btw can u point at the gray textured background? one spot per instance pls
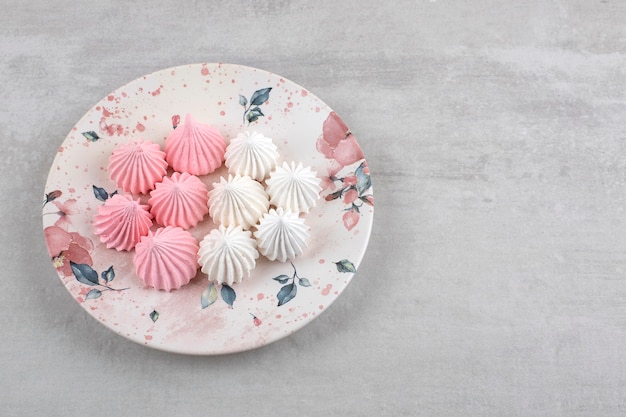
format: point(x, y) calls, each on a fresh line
point(495, 281)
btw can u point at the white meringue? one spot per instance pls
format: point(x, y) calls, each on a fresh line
point(251, 154)
point(294, 187)
point(238, 201)
point(228, 254)
point(281, 235)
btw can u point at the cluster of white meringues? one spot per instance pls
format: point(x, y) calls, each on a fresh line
point(261, 196)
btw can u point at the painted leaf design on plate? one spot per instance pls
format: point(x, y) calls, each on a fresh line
point(91, 136)
point(252, 111)
point(100, 193)
point(84, 273)
point(345, 266)
point(281, 278)
point(260, 96)
point(287, 293)
point(228, 295)
point(108, 275)
point(93, 294)
point(304, 282)
point(209, 296)
point(363, 180)
point(253, 116)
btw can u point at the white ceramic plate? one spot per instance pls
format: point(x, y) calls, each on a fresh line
point(202, 318)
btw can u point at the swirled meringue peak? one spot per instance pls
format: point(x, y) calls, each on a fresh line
point(294, 187)
point(237, 201)
point(167, 259)
point(281, 235)
point(251, 154)
point(179, 200)
point(121, 222)
point(228, 254)
point(195, 148)
point(137, 166)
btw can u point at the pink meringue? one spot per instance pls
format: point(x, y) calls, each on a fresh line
point(179, 200)
point(167, 259)
point(121, 222)
point(195, 148)
point(137, 166)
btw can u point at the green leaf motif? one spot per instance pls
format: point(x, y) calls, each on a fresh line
point(260, 96)
point(154, 316)
point(100, 193)
point(363, 180)
point(251, 117)
point(304, 282)
point(257, 111)
point(287, 293)
point(228, 295)
point(252, 111)
point(345, 266)
point(281, 278)
point(93, 294)
point(108, 275)
point(84, 273)
point(209, 296)
point(91, 136)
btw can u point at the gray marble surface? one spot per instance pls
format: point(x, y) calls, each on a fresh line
point(495, 281)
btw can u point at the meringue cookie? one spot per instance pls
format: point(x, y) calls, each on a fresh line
point(195, 148)
point(294, 187)
point(167, 259)
point(238, 201)
point(228, 254)
point(137, 166)
point(251, 154)
point(121, 222)
point(179, 200)
point(281, 235)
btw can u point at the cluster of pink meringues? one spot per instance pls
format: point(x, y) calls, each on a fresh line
point(168, 257)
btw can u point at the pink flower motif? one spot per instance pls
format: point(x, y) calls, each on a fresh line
point(64, 246)
point(337, 142)
point(350, 196)
point(65, 210)
point(351, 218)
point(328, 181)
point(349, 180)
point(327, 184)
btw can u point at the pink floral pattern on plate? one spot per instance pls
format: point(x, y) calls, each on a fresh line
point(205, 318)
